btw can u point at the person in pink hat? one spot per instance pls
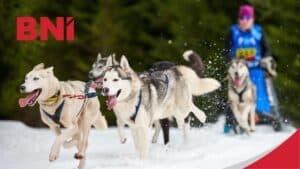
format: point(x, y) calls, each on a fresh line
point(247, 40)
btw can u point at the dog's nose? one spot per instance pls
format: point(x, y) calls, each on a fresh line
point(22, 88)
point(236, 73)
point(91, 75)
point(105, 90)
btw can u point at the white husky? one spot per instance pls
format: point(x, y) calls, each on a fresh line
point(70, 104)
point(242, 94)
point(139, 102)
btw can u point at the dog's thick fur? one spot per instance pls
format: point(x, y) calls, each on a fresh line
point(242, 94)
point(100, 66)
point(123, 87)
point(76, 119)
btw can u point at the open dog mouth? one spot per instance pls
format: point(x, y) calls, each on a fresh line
point(112, 100)
point(30, 99)
point(97, 82)
point(237, 81)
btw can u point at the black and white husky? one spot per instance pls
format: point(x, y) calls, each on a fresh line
point(139, 101)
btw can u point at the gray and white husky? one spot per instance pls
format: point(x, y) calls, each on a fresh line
point(242, 94)
point(63, 103)
point(139, 102)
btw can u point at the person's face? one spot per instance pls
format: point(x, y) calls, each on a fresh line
point(246, 22)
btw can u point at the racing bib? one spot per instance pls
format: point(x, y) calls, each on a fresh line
point(246, 53)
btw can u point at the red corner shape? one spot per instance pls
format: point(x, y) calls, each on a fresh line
point(286, 156)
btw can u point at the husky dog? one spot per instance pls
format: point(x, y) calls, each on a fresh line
point(96, 74)
point(63, 104)
point(139, 102)
point(99, 67)
point(242, 94)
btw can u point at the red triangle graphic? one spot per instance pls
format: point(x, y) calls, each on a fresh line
point(286, 156)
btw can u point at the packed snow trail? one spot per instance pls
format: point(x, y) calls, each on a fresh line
point(27, 148)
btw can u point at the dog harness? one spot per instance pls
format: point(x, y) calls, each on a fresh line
point(57, 114)
point(240, 94)
point(137, 107)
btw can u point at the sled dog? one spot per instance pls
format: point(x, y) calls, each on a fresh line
point(96, 74)
point(139, 101)
point(242, 94)
point(71, 104)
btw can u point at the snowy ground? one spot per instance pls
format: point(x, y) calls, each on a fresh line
point(26, 148)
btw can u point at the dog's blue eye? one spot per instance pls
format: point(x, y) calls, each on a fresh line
point(36, 78)
point(115, 80)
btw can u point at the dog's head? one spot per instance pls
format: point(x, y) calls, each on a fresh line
point(100, 66)
point(238, 72)
point(118, 82)
point(40, 84)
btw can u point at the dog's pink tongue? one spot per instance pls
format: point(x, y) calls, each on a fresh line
point(111, 102)
point(237, 82)
point(23, 102)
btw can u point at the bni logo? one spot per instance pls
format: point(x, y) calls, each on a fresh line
point(28, 30)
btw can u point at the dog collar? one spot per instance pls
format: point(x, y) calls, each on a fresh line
point(137, 107)
point(54, 98)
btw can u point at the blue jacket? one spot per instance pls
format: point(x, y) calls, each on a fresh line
point(252, 46)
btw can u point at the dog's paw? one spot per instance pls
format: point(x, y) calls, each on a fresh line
point(154, 141)
point(78, 156)
point(123, 141)
point(53, 156)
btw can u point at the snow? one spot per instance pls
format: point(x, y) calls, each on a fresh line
point(207, 147)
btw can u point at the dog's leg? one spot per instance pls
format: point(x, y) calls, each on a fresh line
point(73, 142)
point(165, 125)
point(181, 125)
point(76, 139)
point(198, 113)
point(140, 139)
point(156, 132)
point(56, 130)
point(252, 118)
point(85, 129)
point(100, 121)
point(238, 115)
point(245, 117)
point(121, 126)
point(68, 133)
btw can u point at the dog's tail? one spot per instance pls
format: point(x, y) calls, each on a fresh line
point(198, 86)
point(100, 122)
point(195, 60)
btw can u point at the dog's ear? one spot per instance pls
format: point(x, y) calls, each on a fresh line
point(125, 65)
point(49, 70)
point(99, 56)
point(109, 61)
point(39, 66)
point(114, 61)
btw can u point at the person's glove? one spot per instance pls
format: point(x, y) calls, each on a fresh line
point(269, 65)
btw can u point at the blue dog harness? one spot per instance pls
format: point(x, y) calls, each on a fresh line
point(137, 107)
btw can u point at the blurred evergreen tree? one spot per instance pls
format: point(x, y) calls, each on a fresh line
point(144, 31)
